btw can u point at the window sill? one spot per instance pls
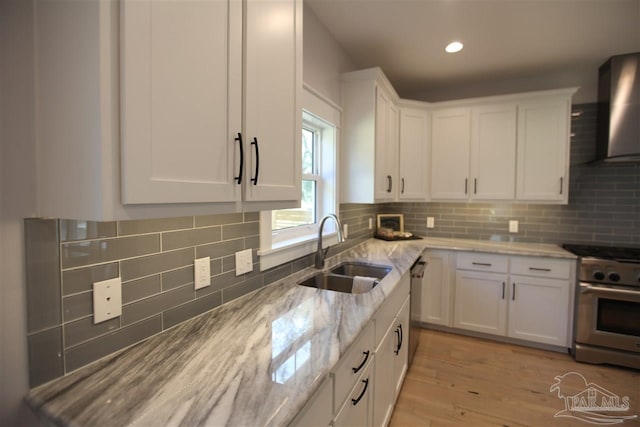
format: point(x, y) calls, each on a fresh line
point(290, 250)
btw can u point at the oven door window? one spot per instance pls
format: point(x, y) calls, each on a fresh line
point(620, 317)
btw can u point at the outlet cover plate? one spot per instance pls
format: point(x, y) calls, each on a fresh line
point(202, 272)
point(107, 300)
point(244, 262)
point(430, 222)
point(513, 226)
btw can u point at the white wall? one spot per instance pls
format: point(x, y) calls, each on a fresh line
point(324, 59)
point(584, 77)
point(17, 187)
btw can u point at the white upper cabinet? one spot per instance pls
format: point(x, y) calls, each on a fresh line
point(181, 101)
point(272, 99)
point(370, 138)
point(182, 97)
point(144, 118)
point(512, 147)
point(474, 153)
point(543, 149)
point(414, 154)
point(493, 152)
point(450, 150)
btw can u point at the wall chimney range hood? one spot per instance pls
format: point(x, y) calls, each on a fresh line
point(618, 138)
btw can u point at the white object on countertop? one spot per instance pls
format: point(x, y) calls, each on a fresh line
point(362, 284)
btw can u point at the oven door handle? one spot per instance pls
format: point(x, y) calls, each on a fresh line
point(586, 288)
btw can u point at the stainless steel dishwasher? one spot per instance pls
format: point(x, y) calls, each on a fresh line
point(417, 273)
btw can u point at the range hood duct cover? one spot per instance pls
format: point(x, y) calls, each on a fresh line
point(618, 137)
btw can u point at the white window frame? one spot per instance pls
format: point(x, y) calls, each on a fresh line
point(324, 115)
point(279, 237)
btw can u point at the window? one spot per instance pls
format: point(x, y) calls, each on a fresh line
point(288, 234)
point(307, 214)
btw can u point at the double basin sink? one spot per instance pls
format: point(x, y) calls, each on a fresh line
point(341, 277)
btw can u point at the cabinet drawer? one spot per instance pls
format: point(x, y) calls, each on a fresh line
point(355, 410)
point(482, 262)
point(352, 364)
point(541, 267)
point(390, 308)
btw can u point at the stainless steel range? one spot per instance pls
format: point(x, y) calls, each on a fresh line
point(607, 318)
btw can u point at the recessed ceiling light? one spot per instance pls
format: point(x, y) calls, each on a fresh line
point(454, 47)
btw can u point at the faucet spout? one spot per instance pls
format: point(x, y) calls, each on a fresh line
point(320, 253)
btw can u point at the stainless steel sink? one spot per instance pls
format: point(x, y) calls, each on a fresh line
point(332, 282)
point(340, 278)
point(361, 269)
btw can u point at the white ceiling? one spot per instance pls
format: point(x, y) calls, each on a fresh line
point(504, 39)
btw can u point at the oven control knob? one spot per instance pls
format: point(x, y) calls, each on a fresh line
point(614, 277)
point(598, 275)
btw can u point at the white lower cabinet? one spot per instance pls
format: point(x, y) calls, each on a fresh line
point(480, 302)
point(435, 304)
point(362, 388)
point(401, 352)
point(317, 412)
point(527, 298)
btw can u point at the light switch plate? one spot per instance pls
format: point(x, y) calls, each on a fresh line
point(202, 272)
point(244, 262)
point(513, 226)
point(430, 222)
point(107, 300)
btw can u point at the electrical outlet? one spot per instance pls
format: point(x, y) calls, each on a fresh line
point(513, 226)
point(202, 272)
point(430, 222)
point(370, 223)
point(107, 300)
point(345, 230)
point(244, 262)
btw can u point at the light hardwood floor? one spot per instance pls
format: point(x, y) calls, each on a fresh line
point(461, 381)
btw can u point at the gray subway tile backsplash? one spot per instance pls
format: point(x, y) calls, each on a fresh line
point(157, 263)
point(141, 226)
point(90, 351)
point(155, 257)
point(81, 279)
point(46, 358)
point(42, 274)
point(84, 329)
point(140, 288)
point(83, 253)
point(72, 230)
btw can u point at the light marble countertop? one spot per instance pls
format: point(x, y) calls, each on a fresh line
point(254, 361)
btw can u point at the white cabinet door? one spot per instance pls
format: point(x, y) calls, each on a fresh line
point(436, 289)
point(543, 150)
point(414, 154)
point(317, 412)
point(481, 302)
point(493, 152)
point(401, 360)
point(386, 138)
point(370, 138)
point(383, 393)
point(539, 310)
point(450, 145)
point(273, 85)
point(181, 67)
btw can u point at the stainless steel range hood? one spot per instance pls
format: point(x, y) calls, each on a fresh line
point(619, 109)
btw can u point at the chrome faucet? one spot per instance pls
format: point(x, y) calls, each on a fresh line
point(320, 253)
